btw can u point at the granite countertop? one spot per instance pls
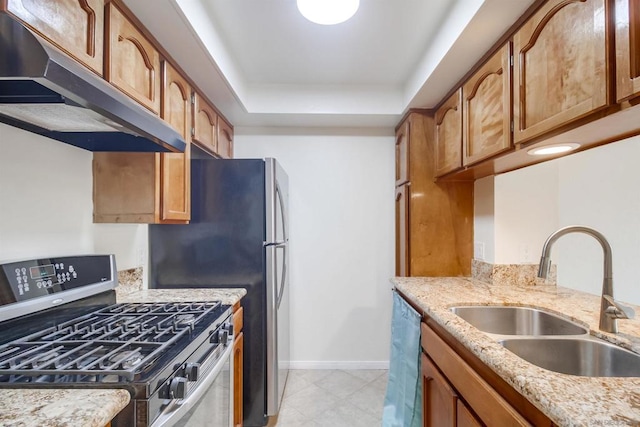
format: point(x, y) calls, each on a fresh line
point(85, 407)
point(566, 399)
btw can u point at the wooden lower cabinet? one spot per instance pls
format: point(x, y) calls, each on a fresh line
point(238, 354)
point(456, 394)
point(442, 406)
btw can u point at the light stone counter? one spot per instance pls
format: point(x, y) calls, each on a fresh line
point(226, 296)
point(566, 399)
point(92, 408)
point(60, 407)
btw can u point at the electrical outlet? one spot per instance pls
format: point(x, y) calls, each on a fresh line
point(478, 251)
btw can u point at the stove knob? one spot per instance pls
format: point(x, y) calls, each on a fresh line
point(215, 337)
point(230, 328)
point(224, 336)
point(178, 388)
point(192, 371)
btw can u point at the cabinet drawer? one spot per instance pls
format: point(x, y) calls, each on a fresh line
point(492, 409)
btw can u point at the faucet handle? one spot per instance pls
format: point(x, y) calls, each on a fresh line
point(618, 310)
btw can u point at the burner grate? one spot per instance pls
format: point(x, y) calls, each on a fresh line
point(112, 344)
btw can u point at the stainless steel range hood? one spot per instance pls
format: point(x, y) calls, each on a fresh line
point(44, 91)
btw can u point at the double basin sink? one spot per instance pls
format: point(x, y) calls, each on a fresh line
point(551, 342)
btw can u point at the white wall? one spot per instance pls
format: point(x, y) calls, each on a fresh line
point(341, 190)
point(597, 188)
point(46, 204)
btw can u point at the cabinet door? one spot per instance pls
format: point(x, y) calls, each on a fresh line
point(486, 110)
point(465, 417)
point(449, 135)
point(225, 139)
point(205, 124)
point(133, 64)
point(75, 26)
point(561, 71)
point(402, 153)
point(238, 350)
point(175, 167)
point(402, 230)
point(125, 187)
point(439, 399)
point(627, 13)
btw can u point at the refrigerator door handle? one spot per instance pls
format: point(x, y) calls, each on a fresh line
point(283, 279)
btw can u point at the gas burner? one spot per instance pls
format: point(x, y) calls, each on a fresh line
point(126, 358)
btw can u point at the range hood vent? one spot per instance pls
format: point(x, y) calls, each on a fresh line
point(44, 91)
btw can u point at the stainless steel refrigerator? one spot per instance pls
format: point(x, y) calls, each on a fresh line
point(237, 237)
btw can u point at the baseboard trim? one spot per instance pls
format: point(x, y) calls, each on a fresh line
point(348, 365)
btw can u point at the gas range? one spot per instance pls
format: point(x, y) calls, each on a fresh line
point(71, 333)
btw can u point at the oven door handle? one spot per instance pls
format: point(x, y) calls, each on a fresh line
point(177, 410)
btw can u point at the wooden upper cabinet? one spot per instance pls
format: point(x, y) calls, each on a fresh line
point(205, 124)
point(225, 139)
point(627, 15)
point(561, 67)
point(75, 26)
point(486, 111)
point(402, 153)
point(403, 256)
point(175, 167)
point(448, 135)
point(133, 63)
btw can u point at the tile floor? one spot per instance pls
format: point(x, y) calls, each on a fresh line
point(333, 398)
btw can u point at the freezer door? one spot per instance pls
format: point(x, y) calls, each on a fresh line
point(277, 261)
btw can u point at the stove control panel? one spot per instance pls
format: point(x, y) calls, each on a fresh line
point(34, 278)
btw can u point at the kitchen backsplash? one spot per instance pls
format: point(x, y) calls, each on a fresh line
point(129, 281)
point(510, 274)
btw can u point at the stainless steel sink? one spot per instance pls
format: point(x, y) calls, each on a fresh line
point(513, 320)
point(576, 356)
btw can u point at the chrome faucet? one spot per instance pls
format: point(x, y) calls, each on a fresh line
point(610, 310)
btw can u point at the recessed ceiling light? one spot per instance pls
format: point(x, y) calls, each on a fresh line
point(328, 12)
point(553, 149)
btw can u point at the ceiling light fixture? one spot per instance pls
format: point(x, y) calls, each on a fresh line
point(328, 12)
point(553, 149)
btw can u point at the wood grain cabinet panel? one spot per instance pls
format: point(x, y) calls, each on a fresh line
point(486, 110)
point(75, 26)
point(484, 400)
point(627, 18)
point(434, 221)
point(561, 66)
point(403, 254)
point(225, 139)
point(149, 187)
point(402, 154)
point(175, 168)
point(448, 135)
point(133, 63)
point(464, 416)
point(439, 398)
point(205, 124)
